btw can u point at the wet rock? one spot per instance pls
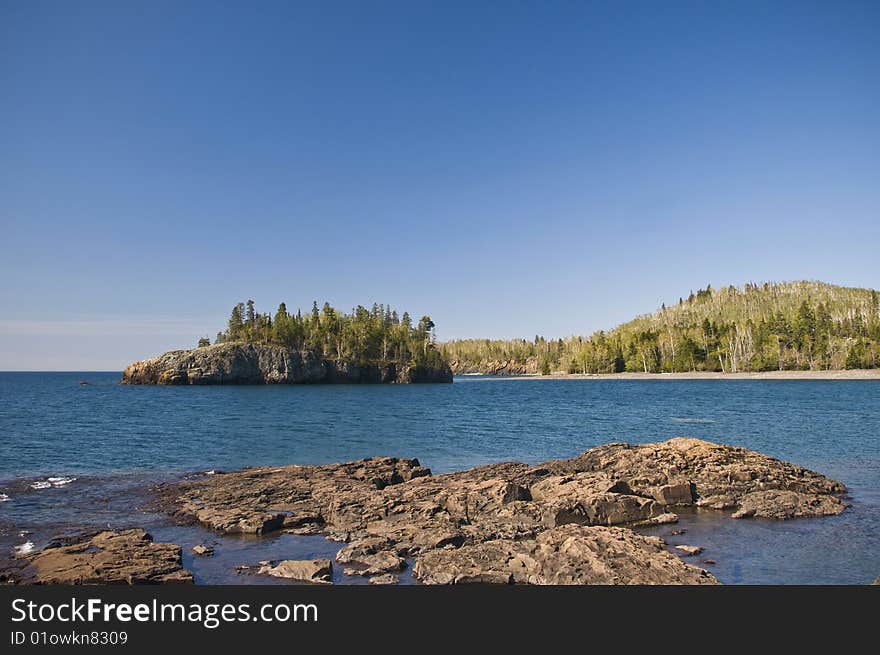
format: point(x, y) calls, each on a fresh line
point(204, 551)
point(566, 555)
point(689, 550)
point(314, 570)
point(126, 557)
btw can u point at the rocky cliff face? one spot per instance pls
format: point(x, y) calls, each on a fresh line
point(530, 366)
point(247, 363)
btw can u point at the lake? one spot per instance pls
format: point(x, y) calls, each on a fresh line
point(118, 440)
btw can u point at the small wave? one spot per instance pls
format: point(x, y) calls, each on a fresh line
point(676, 419)
point(3, 498)
point(25, 548)
point(48, 483)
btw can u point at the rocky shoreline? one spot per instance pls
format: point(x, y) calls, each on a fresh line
point(564, 521)
point(248, 363)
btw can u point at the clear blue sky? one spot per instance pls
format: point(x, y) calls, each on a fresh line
point(510, 168)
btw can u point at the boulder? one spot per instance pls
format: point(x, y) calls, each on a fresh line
point(310, 570)
point(689, 550)
point(386, 579)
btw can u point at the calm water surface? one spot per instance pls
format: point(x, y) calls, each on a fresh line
point(118, 440)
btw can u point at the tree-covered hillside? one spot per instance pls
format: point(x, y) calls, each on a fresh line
point(365, 336)
point(759, 327)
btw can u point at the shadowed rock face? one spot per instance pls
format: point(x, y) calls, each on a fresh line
point(247, 363)
point(510, 522)
point(127, 557)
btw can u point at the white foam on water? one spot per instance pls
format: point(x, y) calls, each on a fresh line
point(48, 483)
point(3, 498)
point(676, 419)
point(25, 548)
point(211, 472)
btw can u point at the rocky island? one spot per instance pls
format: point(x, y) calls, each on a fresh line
point(567, 521)
point(324, 346)
point(248, 363)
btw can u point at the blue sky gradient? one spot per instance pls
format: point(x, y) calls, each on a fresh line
point(511, 168)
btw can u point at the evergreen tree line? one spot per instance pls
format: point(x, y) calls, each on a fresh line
point(365, 336)
point(787, 326)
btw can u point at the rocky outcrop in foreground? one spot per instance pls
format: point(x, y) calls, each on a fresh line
point(248, 363)
point(510, 522)
point(562, 522)
point(127, 557)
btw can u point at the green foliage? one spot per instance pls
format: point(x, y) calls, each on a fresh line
point(364, 336)
point(786, 326)
point(204, 341)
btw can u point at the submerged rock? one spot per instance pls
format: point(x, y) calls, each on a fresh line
point(126, 557)
point(386, 509)
point(248, 363)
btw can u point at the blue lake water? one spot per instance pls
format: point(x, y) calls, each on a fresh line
point(117, 440)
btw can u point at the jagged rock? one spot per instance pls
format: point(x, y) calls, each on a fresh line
point(248, 363)
point(204, 551)
point(314, 570)
point(387, 509)
point(689, 550)
point(530, 366)
point(567, 555)
point(387, 578)
point(126, 557)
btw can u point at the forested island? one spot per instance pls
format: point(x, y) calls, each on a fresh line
point(792, 326)
point(374, 345)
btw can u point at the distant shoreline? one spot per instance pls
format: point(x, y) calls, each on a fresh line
point(848, 374)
